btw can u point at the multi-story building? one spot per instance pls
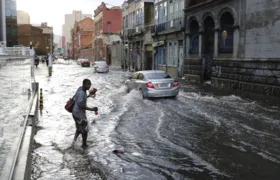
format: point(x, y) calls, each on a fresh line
point(40, 40)
point(82, 39)
point(107, 29)
point(168, 36)
point(48, 32)
point(136, 34)
point(69, 23)
point(8, 23)
point(234, 44)
point(23, 17)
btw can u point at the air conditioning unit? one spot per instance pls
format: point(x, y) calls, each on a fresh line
point(171, 23)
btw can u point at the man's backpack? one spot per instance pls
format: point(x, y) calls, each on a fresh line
point(70, 104)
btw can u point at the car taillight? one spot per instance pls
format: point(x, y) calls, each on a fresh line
point(175, 84)
point(150, 85)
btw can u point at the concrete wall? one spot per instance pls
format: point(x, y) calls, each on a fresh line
point(114, 17)
point(116, 55)
point(261, 31)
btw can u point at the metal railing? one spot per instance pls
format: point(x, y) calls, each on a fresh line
point(15, 51)
point(177, 23)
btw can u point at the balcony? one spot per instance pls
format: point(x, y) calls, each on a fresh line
point(139, 29)
point(169, 27)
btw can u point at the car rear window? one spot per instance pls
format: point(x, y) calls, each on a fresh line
point(158, 76)
point(101, 63)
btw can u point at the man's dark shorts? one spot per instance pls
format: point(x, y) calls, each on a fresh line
point(81, 125)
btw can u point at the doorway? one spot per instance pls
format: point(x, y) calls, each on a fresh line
point(208, 47)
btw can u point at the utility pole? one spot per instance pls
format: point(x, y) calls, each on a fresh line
point(50, 56)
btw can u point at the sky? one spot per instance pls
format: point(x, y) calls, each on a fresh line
point(53, 11)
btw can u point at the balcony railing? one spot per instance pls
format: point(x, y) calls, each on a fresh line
point(175, 24)
point(139, 29)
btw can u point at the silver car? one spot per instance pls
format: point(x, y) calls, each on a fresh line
point(100, 66)
point(153, 84)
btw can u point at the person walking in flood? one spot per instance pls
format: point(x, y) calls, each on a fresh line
point(79, 112)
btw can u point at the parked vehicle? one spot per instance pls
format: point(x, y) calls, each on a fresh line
point(85, 63)
point(100, 66)
point(79, 61)
point(65, 58)
point(153, 84)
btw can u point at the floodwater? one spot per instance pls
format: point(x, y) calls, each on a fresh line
point(14, 82)
point(194, 136)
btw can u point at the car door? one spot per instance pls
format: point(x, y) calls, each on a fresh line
point(132, 82)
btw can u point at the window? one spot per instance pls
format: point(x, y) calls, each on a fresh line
point(158, 76)
point(226, 34)
point(172, 53)
point(170, 17)
point(165, 9)
point(160, 56)
point(137, 16)
point(156, 14)
point(134, 76)
point(141, 76)
point(160, 13)
point(226, 43)
point(194, 44)
point(176, 9)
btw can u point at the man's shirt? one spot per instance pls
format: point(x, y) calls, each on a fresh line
point(80, 100)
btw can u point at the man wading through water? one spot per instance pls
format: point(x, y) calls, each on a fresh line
point(79, 112)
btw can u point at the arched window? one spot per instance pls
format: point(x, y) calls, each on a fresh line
point(226, 33)
point(194, 37)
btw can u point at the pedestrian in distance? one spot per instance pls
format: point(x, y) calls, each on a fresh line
point(36, 60)
point(79, 112)
point(47, 59)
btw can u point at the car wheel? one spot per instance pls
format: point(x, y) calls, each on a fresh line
point(142, 93)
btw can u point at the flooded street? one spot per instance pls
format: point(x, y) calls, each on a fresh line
point(191, 137)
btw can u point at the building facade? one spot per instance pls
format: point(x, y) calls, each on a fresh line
point(69, 23)
point(9, 22)
point(108, 23)
point(136, 34)
point(234, 44)
point(28, 33)
point(168, 36)
point(82, 39)
point(23, 17)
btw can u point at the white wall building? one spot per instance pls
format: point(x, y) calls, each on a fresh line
point(69, 22)
point(23, 17)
